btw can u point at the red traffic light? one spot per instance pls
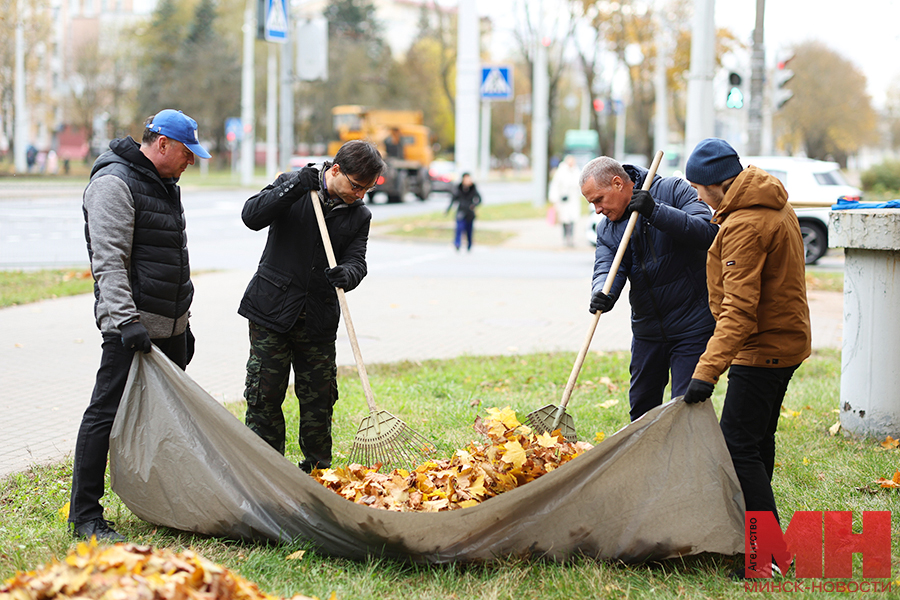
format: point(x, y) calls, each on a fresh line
point(598, 105)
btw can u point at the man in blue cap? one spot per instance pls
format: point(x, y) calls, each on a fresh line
point(135, 233)
point(757, 293)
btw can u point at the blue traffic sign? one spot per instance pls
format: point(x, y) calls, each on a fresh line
point(497, 83)
point(276, 21)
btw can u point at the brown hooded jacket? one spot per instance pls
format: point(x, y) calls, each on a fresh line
point(756, 275)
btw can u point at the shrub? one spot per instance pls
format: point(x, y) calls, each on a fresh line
point(882, 178)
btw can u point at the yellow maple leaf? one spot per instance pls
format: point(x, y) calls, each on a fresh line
point(506, 415)
point(890, 443)
point(295, 555)
point(599, 436)
point(545, 440)
point(514, 454)
point(476, 488)
point(609, 403)
point(468, 503)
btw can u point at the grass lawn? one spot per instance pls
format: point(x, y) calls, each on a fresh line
point(815, 471)
point(22, 287)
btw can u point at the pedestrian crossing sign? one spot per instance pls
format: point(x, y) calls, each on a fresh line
point(276, 21)
point(497, 83)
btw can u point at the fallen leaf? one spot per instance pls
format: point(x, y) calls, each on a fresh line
point(609, 403)
point(515, 454)
point(296, 555)
point(890, 443)
point(834, 429)
point(599, 436)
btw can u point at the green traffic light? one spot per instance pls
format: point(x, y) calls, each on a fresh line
point(735, 98)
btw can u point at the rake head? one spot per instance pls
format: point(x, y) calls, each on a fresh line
point(383, 438)
point(542, 420)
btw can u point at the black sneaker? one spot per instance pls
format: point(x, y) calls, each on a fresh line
point(99, 528)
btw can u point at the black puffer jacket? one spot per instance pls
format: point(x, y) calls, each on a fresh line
point(466, 199)
point(665, 261)
point(291, 278)
point(155, 267)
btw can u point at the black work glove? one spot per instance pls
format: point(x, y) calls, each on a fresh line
point(338, 276)
point(642, 202)
point(601, 302)
point(135, 337)
point(698, 391)
point(189, 342)
point(308, 178)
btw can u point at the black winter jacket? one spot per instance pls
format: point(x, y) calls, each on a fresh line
point(466, 199)
point(290, 280)
point(150, 257)
point(665, 261)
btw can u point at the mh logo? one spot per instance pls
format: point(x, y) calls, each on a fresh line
point(817, 539)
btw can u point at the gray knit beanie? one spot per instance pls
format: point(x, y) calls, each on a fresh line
point(712, 162)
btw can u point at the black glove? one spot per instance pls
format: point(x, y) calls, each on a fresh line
point(189, 342)
point(698, 391)
point(135, 337)
point(308, 178)
point(601, 302)
point(338, 276)
point(642, 202)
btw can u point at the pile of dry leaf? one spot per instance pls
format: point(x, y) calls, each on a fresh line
point(131, 572)
point(510, 455)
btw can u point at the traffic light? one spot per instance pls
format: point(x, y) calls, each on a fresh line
point(599, 105)
point(735, 95)
point(780, 94)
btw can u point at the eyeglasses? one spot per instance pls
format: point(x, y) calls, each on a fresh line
point(355, 186)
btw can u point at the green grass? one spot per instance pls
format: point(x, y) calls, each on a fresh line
point(22, 287)
point(826, 281)
point(815, 471)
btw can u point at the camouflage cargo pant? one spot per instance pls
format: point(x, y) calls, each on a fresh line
point(272, 355)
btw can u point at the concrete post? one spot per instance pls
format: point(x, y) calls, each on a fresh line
point(870, 379)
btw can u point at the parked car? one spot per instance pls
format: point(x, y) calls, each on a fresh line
point(812, 186)
point(443, 175)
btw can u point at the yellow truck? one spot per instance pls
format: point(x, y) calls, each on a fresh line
point(403, 140)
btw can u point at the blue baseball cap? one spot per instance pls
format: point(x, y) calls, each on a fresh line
point(176, 125)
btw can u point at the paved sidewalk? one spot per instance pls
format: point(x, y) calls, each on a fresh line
point(49, 351)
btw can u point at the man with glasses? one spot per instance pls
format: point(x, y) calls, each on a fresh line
point(136, 242)
point(291, 303)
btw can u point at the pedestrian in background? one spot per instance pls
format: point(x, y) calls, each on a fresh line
point(291, 303)
point(757, 291)
point(665, 263)
point(565, 196)
point(137, 246)
point(466, 198)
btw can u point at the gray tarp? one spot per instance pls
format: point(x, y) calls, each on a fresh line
point(661, 487)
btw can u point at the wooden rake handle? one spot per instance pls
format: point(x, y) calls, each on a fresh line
point(345, 309)
point(610, 277)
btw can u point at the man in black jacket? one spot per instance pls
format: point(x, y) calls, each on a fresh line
point(666, 265)
point(135, 232)
point(291, 302)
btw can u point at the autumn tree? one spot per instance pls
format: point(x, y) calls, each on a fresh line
point(36, 29)
point(830, 115)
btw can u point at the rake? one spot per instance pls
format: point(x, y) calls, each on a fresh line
point(381, 438)
point(549, 418)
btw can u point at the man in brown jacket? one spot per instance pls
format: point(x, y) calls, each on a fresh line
point(757, 293)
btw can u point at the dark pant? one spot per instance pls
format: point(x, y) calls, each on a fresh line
point(651, 363)
point(749, 420)
point(463, 224)
point(92, 444)
point(315, 382)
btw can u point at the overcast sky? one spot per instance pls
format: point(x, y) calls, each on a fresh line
point(866, 32)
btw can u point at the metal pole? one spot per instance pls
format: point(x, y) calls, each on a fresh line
point(272, 113)
point(467, 87)
point(757, 76)
point(287, 99)
point(248, 114)
point(485, 162)
point(20, 137)
point(540, 124)
point(700, 122)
